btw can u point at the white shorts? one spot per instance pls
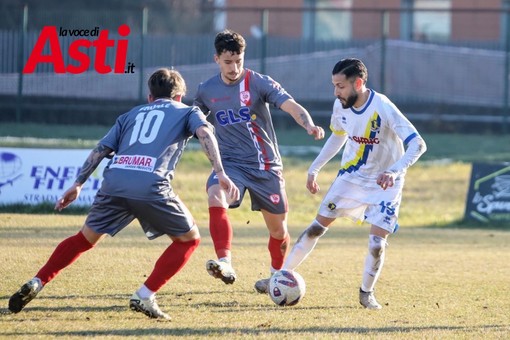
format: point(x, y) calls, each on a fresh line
point(373, 205)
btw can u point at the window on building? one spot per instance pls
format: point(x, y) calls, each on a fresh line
point(328, 25)
point(432, 25)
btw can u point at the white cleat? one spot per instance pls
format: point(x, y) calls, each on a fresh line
point(148, 307)
point(221, 270)
point(367, 300)
point(24, 295)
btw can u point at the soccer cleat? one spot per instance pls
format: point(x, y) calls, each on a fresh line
point(221, 270)
point(262, 286)
point(24, 295)
point(367, 300)
point(148, 307)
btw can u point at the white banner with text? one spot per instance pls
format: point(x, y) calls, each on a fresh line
point(34, 176)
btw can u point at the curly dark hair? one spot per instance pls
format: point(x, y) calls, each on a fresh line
point(230, 41)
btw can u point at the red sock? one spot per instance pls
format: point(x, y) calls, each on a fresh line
point(221, 231)
point(278, 250)
point(170, 262)
point(64, 254)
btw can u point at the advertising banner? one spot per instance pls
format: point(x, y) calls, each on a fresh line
point(488, 198)
point(34, 176)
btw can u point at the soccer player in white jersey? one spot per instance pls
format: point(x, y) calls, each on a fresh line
point(380, 144)
point(237, 100)
point(147, 143)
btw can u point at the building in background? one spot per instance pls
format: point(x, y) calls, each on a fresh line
point(427, 20)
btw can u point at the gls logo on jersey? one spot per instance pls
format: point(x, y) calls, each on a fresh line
point(76, 51)
point(229, 117)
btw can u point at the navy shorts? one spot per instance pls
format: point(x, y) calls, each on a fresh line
point(163, 216)
point(266, 188)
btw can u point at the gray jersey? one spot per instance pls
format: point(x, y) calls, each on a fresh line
point(242, 120)
point(148, 142)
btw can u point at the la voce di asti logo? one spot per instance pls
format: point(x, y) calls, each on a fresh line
point(96, 42)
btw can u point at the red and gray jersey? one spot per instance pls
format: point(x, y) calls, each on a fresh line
point(148, 142)
point(242, 119)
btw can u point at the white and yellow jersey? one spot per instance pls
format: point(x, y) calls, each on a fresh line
point(377, 133)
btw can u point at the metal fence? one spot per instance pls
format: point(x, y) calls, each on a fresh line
point(426, 72)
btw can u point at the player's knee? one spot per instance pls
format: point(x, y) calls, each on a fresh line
point(217, 197)
point(192, 235)
point(315, 230)
point(376, 246)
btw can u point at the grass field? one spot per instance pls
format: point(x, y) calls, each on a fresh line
point(441, 280)
point(436, 284)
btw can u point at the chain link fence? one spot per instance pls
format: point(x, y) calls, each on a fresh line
point(451, 74)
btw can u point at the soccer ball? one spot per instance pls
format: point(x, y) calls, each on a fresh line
point(286, 287)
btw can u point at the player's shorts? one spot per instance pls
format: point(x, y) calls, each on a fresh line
point(357, 203)
point(266, 188)
point(164, 216)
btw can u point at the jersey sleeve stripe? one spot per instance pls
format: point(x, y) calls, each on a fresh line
point(337, 132)
point(408, 139)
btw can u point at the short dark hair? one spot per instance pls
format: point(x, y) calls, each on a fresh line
point(166, 83)
point(351, 67)
point(230, 41)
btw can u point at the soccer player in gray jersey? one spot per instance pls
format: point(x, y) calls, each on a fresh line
point(147, 143)
point(238, 101)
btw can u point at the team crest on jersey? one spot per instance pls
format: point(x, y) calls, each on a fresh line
point(375, 125)
point(245, 97)
point(275, 198)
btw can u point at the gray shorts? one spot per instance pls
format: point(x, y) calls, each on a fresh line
point(164, 216)
point(266, 188)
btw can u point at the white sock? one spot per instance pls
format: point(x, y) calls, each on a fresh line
point(304, 245)
point(39, 283)
point(145, 293)
point(225, 259)
point(373, 262)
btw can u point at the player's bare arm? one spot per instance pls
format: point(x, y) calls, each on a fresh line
point(303, 118)
point(95, 157)
point(210, 147)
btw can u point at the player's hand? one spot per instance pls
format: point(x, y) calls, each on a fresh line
point(386, 180)
point(312, 185)
point(316, 131)
point(68, 197)
point(230, 188)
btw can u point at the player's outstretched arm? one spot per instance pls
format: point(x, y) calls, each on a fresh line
point(210, 147)
point(303, 118)
point(332, 146)
point(95, 157)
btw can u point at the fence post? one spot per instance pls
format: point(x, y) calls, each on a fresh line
point(21, 58)
point(145, 16)
point(263, 50)
point(385, 22)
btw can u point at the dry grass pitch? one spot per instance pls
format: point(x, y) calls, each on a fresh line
point(439, 281)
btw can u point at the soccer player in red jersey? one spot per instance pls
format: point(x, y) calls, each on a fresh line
point(238, 99)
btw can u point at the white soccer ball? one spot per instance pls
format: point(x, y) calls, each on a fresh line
point(286, 287)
